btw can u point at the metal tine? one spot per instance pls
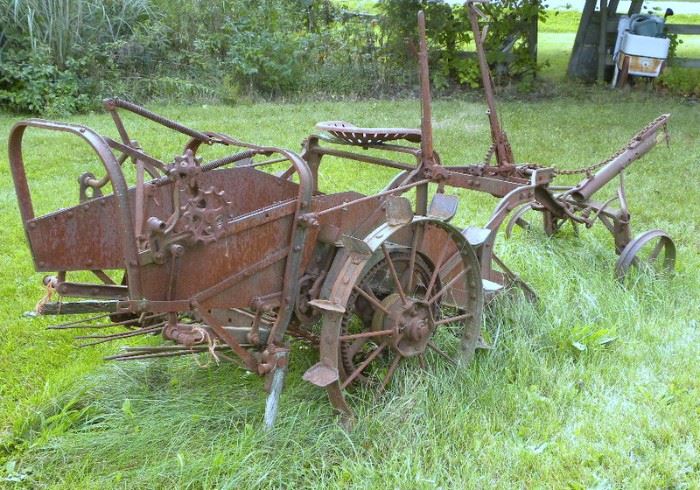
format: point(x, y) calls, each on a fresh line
point(151, 355)
point(107, 338)
point(67, 326)
point(145, 354)
point(158, 348)
point(122, 334)
point(76, 322)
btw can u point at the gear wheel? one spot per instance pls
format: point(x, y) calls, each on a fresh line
point(205, 215)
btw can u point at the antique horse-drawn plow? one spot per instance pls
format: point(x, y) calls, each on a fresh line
point(224, 257)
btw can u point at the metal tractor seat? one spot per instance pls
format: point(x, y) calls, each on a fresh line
point(351, 134)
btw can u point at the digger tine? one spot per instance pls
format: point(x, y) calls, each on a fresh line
point(150, 355)
point(104, 325)
point(77, 322)
point(107, 338)
point(123, 334)
point(273, 399)
point(164, 348)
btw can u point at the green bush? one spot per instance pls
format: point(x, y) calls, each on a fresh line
point(449, 38)
point(31, 83)
point(66, 27)
point(64, 56)
point(681, 81)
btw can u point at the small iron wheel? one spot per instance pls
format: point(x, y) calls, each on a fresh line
point(653, 252)
point(537, 218)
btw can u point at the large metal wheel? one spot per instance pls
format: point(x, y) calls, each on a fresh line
point(653, 252)
point(414, 300)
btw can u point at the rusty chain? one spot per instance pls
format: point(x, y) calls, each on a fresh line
point(591, 168)
point(489, 154)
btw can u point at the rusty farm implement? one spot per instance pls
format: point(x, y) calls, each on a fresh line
point(230, 258)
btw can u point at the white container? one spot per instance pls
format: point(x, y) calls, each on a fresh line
point(648, 47)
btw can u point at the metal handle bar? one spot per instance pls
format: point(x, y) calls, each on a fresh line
point(111, 104)
point(98, 144)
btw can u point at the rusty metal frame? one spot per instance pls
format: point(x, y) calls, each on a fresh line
point(327, 242)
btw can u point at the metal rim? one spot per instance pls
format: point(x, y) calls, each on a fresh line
point(517, 218)
point(630, 255)
point(414, 338)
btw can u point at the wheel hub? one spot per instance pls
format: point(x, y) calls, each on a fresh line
point(412, 323)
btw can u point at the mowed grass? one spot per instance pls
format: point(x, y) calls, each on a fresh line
point(535, 411)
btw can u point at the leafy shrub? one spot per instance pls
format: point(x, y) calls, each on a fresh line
point(449, 35)
point(681, 81)
point(34, 84)
point(63, 56)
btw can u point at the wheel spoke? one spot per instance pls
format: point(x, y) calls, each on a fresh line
point(371, 298)
point(364, 335)
point(438, 265)
point(454, 319)
point(412, 261)
point(392, 269)
point(364, 364)
point(432, 345)
point(446, 287)
point(390, 372)
point(655, 253)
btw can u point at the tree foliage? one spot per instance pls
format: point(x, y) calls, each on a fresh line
point(63, 56)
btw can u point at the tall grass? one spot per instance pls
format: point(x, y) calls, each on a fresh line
point(66, 25)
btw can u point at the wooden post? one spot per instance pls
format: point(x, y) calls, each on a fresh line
point(612, 7)
point(635, 7)
point(602, 40)
point(588, 9)
point(532, 34)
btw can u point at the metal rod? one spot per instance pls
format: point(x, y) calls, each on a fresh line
point(390, 371)
point(364, 335)
point(504, 154)
point(367, 198)
point(426, 127)
point(151, 355)
point(145, 113)
point(644, 141)
point(76, 322)
point(394, 275)
point(364, 364)
point(132, 333)
point(385, 162)
point(447, 286)
point(371, 299)
point(454, 319)
point(273, 399)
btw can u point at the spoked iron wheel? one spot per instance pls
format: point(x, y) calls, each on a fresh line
point(415, 302)
point(653, 252)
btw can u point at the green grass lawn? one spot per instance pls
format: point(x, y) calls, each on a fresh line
point(536, 411)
